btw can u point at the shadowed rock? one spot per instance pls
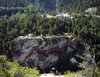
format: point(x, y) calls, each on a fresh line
point(60, 53)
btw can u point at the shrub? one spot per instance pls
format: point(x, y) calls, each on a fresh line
point(15, 70)
point(87, 73)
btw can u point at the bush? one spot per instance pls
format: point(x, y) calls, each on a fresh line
point(87, 73)
point(13, 69)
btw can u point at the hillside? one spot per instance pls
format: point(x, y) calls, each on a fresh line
point(46, 34)
point(54, 5)
point(42, 4)
point(76, 5)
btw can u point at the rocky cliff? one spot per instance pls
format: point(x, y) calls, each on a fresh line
point(60, 52)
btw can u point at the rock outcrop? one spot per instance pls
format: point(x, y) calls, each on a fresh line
point(92, 10)
point(61, 52)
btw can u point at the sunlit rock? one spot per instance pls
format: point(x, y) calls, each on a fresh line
point(64, 16)
point(92, 10)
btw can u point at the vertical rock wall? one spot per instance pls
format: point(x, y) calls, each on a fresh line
point(48, 53)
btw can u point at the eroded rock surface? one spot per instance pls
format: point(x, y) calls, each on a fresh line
point(62, 53)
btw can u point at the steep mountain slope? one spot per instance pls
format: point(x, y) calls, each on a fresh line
point(44, 4)
point(59, 5)
point(76, 5)
point(48, 4)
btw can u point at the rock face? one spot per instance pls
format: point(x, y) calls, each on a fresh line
point(45, 53)
point(92, 10)
point(64, 16)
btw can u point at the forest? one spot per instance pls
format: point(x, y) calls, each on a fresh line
point(22, 17)
point(77, 6)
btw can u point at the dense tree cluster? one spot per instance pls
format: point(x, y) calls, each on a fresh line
point(54, 5)
point(76, 5)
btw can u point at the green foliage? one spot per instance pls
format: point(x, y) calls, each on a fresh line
point(15, 70)
point(68, 73)
point(86, 28)
point(88, 73)
point(76, 5)
point(21, 17)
